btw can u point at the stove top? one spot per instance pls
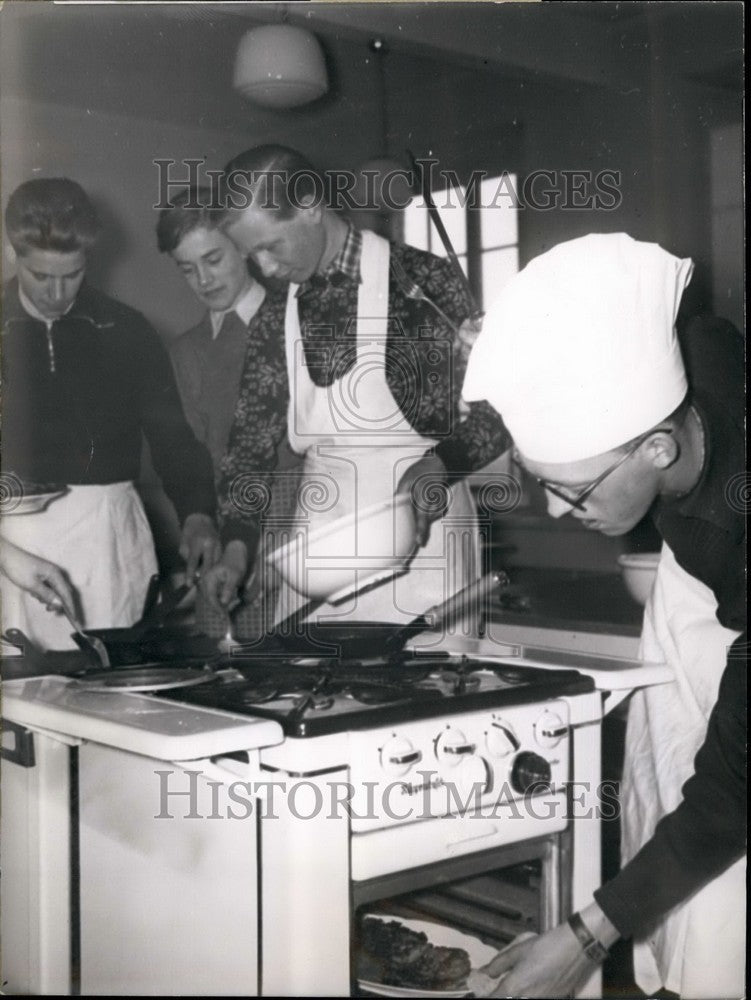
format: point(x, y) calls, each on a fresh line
point(312, 697)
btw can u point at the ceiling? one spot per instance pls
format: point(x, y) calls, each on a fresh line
point(172, 62)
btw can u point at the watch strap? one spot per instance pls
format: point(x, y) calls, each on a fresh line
point(594, 950)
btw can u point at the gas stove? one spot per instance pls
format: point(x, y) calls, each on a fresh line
point(359, 780)
point(312, 697)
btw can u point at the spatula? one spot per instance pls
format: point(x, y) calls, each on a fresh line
point(93, 642)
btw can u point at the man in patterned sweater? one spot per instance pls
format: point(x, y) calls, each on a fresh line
point(365, 382)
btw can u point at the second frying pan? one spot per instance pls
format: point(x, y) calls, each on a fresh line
point(369, 640)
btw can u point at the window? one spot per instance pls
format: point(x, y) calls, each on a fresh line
point(485, 238)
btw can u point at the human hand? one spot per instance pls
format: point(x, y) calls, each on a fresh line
point(43, 579)
point(262, 583)
point(470, 329)
point(426, 481)
point(199, 544)
point(220, 583)
point(552, 964)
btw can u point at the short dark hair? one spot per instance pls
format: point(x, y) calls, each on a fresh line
point(293, 178)
point(51, 213)
point(188, 210)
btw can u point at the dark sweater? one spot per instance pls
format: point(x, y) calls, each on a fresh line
point(82, 423)
point(706, 531)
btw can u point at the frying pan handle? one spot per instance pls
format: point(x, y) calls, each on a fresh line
point(476, 314)
point(29, 649)
point(152, 595)
point(160, 612)
point(472, 597)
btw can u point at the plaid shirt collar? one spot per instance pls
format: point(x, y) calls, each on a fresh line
point(345, 266)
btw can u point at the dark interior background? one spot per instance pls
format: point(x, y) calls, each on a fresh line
point(651, 90)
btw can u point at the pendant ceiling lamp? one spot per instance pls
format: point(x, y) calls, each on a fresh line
point(280, 66)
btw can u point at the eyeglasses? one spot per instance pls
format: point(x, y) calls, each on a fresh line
point(576, 500)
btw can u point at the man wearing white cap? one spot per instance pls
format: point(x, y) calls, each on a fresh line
point(605, 417)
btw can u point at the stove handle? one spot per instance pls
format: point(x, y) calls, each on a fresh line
point(22, 749)
point(407, 758)
point(211, 769)
point(554, 733)
point(457, 845)
point(459, 749)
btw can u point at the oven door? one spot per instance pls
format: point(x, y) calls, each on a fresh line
point(168, 876)
point(35, 862)
point(124, 873)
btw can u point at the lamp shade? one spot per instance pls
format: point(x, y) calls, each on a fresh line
point(280, 66)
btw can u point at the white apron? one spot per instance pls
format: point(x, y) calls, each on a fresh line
point(698, 949)
point(357, 444)
point(100, 536)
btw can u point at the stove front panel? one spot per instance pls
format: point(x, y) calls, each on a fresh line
point(513, 758)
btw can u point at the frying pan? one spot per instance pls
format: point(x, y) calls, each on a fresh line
point(35, 660)
point(368, 640)
point(191, 668)
point(146, 639)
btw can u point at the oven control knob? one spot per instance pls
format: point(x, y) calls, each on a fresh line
point(398, 755)
point(452, 747)
point(473, 779)
point(530, 773)
point(550, 729)
point(500, 739)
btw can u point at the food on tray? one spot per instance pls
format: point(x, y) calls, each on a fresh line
point(393, 955)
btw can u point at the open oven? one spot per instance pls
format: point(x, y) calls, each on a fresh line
point(228, 837)
point(473, 819)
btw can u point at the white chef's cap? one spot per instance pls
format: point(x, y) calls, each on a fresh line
point(579, 353)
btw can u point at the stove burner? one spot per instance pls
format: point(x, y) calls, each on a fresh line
point(458, 679)
point(373, 694)
point(258, 696)
point(311, 696)
point(459, 682)
point(512, 675)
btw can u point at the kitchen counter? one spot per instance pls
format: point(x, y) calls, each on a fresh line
point(576, 610)
point(568, 618)
point(592, 601)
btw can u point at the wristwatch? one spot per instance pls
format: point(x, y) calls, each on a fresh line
point(594, 950)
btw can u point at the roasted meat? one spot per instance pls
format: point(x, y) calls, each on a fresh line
point(392, 954)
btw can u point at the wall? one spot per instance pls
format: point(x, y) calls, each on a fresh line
point(657, 135)
point(728, 222)
point(663, 157)
point(112, 157)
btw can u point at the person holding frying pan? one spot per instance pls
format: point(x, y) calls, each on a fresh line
point(84, 378)
point(364, 383)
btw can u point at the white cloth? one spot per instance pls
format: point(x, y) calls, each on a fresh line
point(357, 444)
point(698, 949)
point(100, 536)
point(579, 352)
point(246, 307)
